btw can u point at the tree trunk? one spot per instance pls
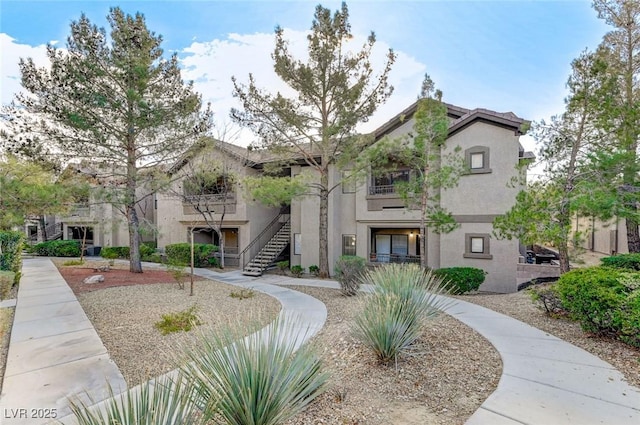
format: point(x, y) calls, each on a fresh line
point(192, 263)
point(423, 230)
point(633, 236)
point(43, 228)
point(135, 265)
point(324, 227)
point(221, 249)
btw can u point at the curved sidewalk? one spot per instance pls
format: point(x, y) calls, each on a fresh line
point(55, 353)
point(544, 380)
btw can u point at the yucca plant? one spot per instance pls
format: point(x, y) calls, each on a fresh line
point(403, 296)
point(165, 401)
point(262, 379)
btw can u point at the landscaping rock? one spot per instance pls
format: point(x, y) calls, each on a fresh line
point(94, 279)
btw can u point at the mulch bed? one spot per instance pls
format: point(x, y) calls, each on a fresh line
point(114, 277)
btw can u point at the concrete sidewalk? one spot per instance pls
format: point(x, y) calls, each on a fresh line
point(54, 351)
point(545, 380)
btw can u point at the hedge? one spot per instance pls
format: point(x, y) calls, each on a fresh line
point(461, 279)
point(622, 261)
point(7, 279)
point(11, 244)
point(605, 300)
point(203, 254)
point(112, 252)
point(58, 248)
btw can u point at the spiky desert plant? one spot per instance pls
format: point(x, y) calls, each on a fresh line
point(262, 379)
point(165, 401)
point(403, 296)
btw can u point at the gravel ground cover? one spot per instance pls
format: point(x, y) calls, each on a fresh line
point(450, 372)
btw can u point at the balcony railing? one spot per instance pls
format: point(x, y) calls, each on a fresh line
point(382, 189)
point(393, 258)
point(217, 198)
point(80, 210)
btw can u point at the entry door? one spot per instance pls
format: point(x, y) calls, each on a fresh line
point(383, 248)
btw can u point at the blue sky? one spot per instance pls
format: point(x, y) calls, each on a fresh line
point(500, 55)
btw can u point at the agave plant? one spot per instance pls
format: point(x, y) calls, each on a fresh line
point(263, 379)
point(166, 401)
point(403, 296)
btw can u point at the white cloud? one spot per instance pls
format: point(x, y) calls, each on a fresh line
point(211, 65)
point(12, 51)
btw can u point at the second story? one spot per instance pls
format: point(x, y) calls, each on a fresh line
point(486, 142)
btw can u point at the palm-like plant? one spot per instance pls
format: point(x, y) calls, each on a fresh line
point(166, 401)
point(404, 295)
point(262, 379)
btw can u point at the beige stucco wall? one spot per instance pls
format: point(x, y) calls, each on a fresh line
point(249, 217)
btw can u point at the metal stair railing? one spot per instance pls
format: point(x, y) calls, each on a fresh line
point(270, 230)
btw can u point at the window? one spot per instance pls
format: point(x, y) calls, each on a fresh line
point(477, 246)
point(297, 243)
point(202, 184)
point(348, 244)
point(348, 185)
point(477, 160)
point(384, 183)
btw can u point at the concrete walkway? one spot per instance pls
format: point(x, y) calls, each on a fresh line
point(54, 351)
point(544, 379)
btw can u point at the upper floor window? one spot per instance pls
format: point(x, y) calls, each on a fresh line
point(477, 160)
point(208, 184)
point(385, 183)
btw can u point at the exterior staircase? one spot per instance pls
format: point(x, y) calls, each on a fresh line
point(270, 252)
point(54, 231)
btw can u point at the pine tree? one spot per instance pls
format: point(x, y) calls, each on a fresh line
point(113, 101)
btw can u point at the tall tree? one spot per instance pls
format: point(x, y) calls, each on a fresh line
point(424, 152)
point(26, 189)
point(110, 100)
point(335, 89)
point(620, 108)
point(543, 212)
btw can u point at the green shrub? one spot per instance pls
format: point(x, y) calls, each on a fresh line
point(243, 294)
point(178, 272)
point(203, 254)
point(297, 271)
point(154, 258)
point(7, 279)
point(263, 379)
point(180, 321)
point(404, 295)
point(630, 319)
point(622, 261)
point(58, 248)
point(546, 295)
point(77, 262)
point(113, 252)
point(348, 270)
point(461, 279)
point(314, 270)
point(594, 296)
point(146, 249)
point(11, 244)
point(282, 266)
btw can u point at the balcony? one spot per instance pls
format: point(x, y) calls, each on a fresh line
point(393, 258)
point(382, 189)
point(212, 202)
